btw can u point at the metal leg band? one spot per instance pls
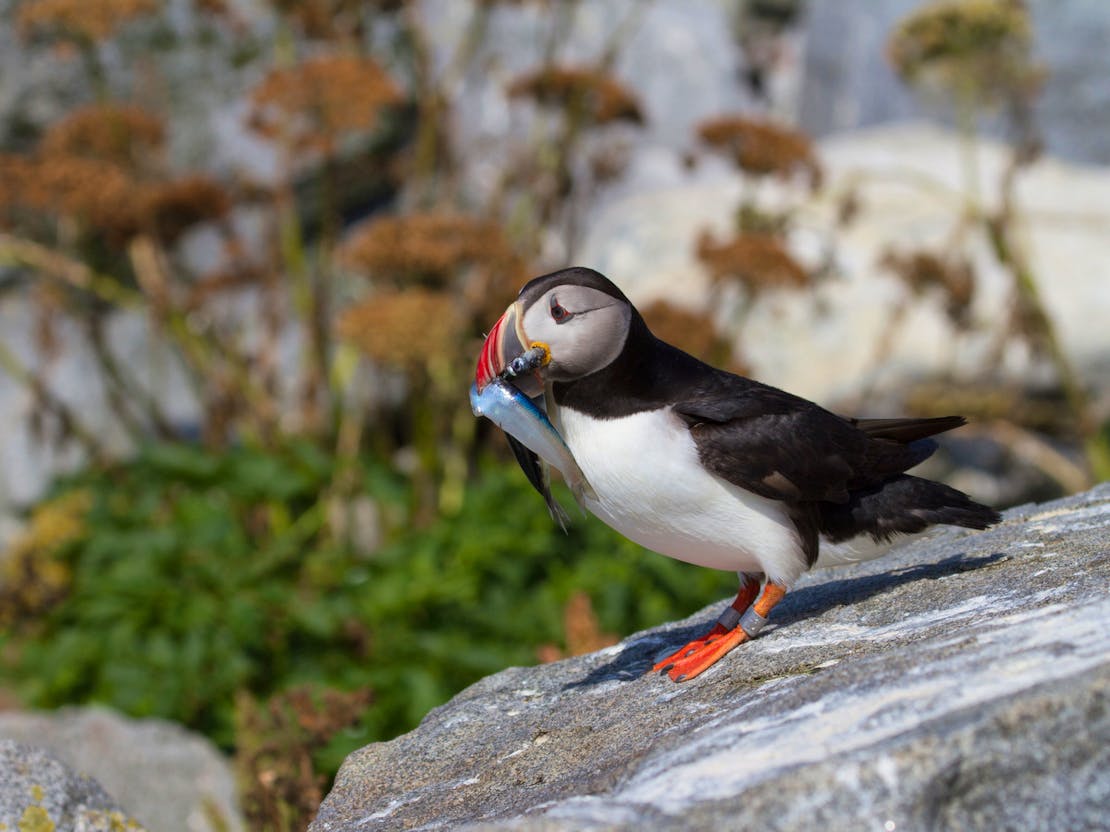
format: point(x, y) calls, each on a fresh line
point(752, 622)
point(729, 618)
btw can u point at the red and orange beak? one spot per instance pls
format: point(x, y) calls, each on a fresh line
point(505, 342)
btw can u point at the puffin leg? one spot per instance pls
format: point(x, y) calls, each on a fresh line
point(750, 624)
point(749, 586)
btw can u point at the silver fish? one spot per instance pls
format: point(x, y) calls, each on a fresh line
point(531, 435)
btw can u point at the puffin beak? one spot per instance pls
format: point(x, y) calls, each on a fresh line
point(506, 341)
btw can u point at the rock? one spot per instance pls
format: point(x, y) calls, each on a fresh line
point(40, 794)
point(963, 682)
point(168, 777)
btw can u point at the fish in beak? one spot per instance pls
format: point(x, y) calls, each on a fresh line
point(502, 354)
point(533, 439)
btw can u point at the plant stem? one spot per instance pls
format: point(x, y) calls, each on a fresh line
point(1001, 233)
point(10, 363)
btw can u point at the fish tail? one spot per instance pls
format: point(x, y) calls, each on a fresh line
point(554, 507)
point(557, 512)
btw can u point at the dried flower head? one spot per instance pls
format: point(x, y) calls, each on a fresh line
point(170, 208)
point(924, 271)
point(981, 47)
point(311, 106)
point(424, 248)
point(407, 329)
point(86, 20)
point(692, 332)
point(468, 255)
point(121, 134)
point(104, 197)
point(759, 261)
point(586, 93)
point(761, 147)
point(96, 194)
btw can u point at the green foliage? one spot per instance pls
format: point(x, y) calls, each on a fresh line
point(198, 576)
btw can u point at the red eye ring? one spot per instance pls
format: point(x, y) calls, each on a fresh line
point(559, 313)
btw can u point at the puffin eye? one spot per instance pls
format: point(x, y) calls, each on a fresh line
point(559, 313)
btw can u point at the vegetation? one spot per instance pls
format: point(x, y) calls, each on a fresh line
point(189, 585)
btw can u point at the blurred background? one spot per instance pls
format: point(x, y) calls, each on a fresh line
point(248, 250)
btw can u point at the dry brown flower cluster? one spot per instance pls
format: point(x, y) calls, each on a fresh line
point(103, 168)
point(759, 261)
point(118, 133)
point(97, 194)
point(425, 248)
point(692, 332)
point(168, 209)
point(922, 271)
point(761, 147)
point(312, 105)
point(450, 252)
point(960, 35)
point(439, 277)
point(404, 328)
point(587, 93)
point(90, 20)
point(101, 196)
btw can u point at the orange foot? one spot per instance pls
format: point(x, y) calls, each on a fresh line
point(732, 629)
point(695, 645)
point(701, 660)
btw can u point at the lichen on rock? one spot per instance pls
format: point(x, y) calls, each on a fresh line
point(40, 794)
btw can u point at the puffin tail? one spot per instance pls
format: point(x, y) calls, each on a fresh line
point(902, 505)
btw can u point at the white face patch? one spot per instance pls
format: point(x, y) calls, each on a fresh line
point(584, 328)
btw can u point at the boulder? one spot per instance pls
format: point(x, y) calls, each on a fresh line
point(173, 780)
point(40, 794)
point(962, 681)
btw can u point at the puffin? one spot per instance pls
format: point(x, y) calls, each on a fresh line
point(710, 467)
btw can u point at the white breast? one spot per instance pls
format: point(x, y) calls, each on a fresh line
point(652, 488)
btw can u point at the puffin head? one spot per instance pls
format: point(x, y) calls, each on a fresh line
point(577, 316)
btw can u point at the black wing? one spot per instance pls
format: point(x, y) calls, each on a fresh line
point(783, 447)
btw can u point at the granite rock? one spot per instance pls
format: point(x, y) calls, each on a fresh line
point(961, 681)
point(40, 794)
point(170, 779)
